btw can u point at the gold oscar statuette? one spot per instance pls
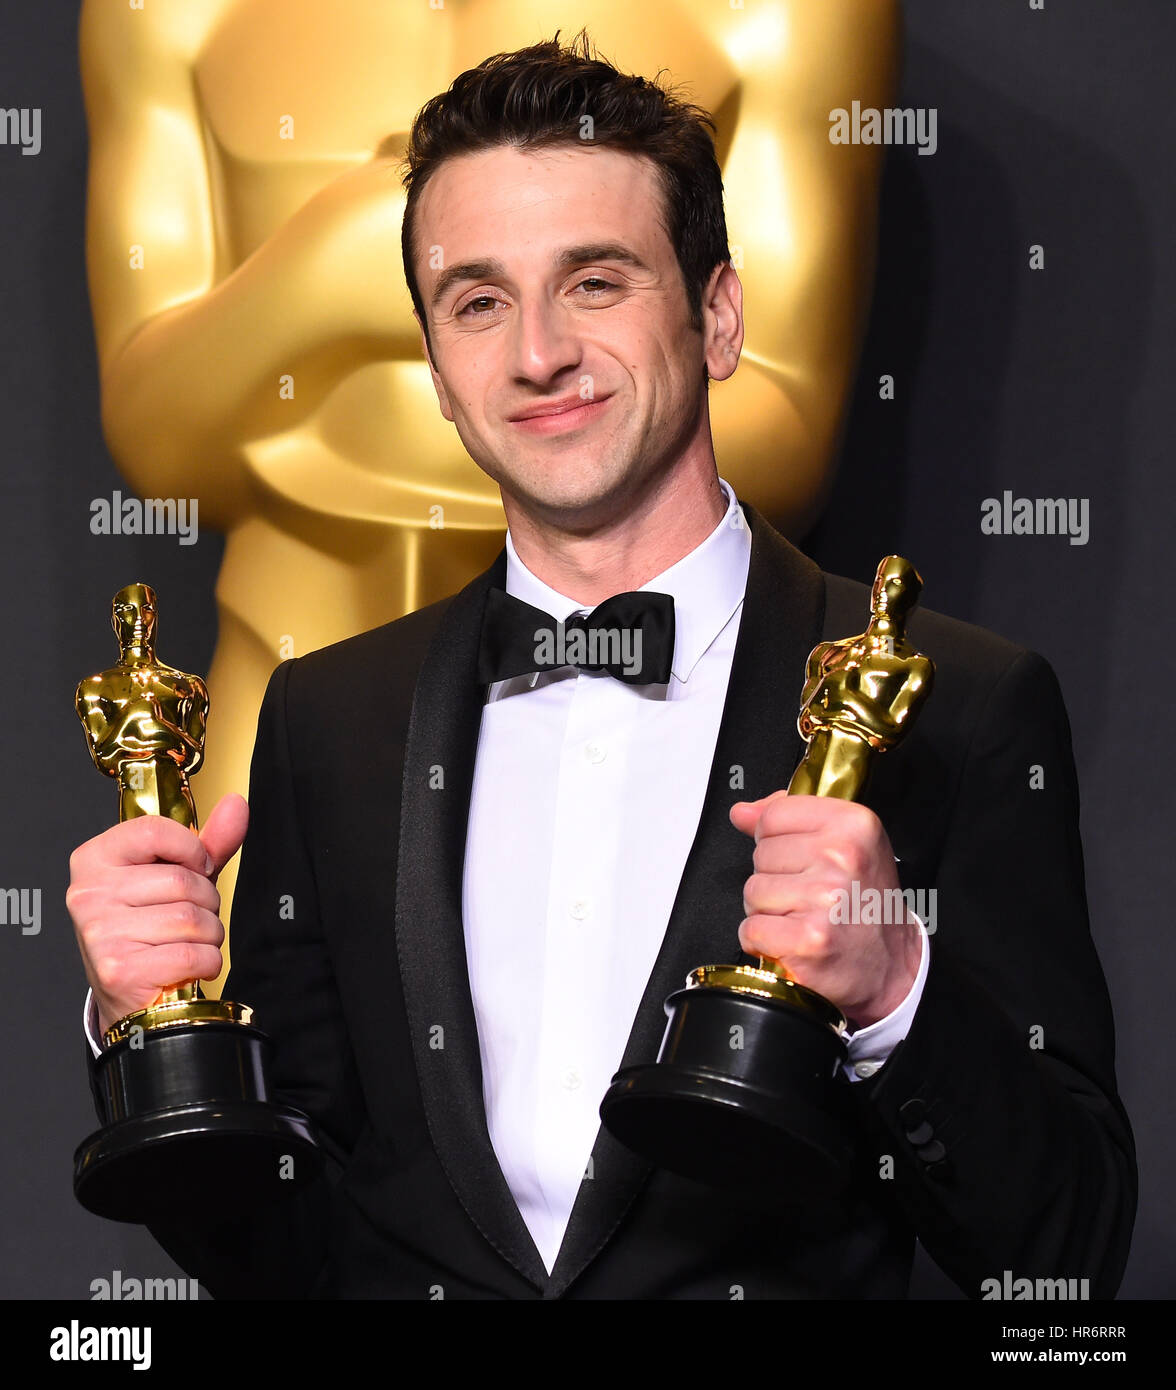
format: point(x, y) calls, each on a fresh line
point(182, 1083)
point(770, 1111)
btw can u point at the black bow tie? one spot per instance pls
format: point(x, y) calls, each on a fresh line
point(631, 636)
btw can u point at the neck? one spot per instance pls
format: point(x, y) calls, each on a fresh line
point(642, 535)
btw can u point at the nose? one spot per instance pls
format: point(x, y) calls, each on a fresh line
point(543, 341)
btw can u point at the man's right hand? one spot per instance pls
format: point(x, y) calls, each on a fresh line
point(144, 904)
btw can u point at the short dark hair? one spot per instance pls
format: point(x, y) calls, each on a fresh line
point(540, 96)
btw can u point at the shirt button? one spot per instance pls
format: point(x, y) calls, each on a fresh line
point(580, 909)
point(595, 752)
point(864, 1069)
point(570, 1080)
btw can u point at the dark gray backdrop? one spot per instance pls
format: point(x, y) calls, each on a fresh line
point(1055, 127)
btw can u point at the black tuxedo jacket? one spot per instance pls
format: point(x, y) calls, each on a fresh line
point(994, 1134)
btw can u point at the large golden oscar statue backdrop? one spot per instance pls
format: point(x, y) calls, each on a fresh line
point(255, 335)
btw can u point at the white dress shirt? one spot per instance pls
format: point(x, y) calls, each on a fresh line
point(586, 798)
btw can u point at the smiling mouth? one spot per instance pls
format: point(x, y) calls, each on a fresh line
point(561, 418)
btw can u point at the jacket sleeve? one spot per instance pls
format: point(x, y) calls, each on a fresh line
point(281, 968)
point(1011, 1149)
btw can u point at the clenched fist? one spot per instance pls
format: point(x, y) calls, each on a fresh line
point(144, 904)
point(809, 850)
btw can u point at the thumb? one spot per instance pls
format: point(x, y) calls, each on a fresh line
point(224, 830)
point(745, 814)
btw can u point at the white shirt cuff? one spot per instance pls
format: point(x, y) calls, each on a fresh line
point(870, 1047)
point(90, 1023)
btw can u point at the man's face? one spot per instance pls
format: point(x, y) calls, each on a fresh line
point(556, 285)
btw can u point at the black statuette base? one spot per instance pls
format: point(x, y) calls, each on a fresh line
point(191, 1127)
point(769, 1114)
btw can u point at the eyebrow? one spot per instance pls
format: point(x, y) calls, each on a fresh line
point(463, 271)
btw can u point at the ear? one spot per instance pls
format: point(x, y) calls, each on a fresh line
point(722, 321)
point(438, 384)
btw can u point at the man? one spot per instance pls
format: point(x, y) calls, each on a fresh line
point(467, 890)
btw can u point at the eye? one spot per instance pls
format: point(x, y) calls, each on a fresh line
point(477, 299)
point(599, 281)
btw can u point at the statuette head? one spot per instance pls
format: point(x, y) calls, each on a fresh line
point(132, 615)
point(897, 586)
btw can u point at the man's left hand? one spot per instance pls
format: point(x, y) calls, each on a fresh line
point(809, 851)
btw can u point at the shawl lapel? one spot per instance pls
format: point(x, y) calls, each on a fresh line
point(430, 940)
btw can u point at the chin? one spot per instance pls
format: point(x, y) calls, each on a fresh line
point(584, 501)
point(565, 487)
